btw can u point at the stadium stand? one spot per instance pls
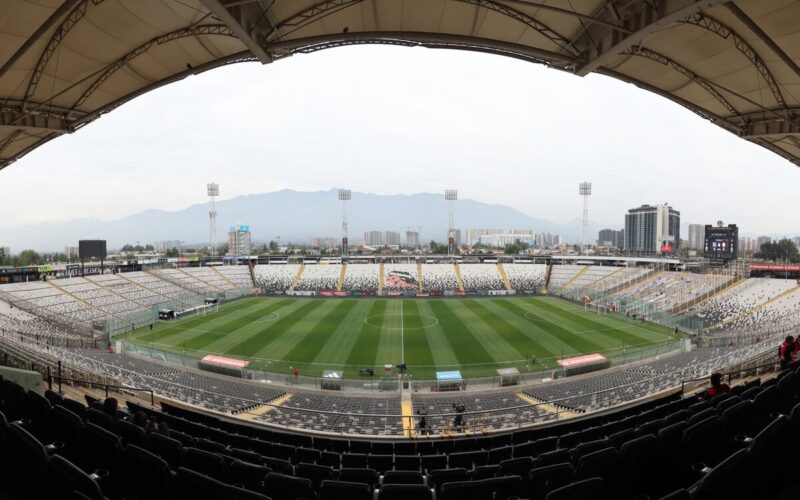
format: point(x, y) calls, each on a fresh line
point(653, 449)
point(362, 277)
point(398, 277)
point(481, 277)
point(439, 277)
point(276, 277)
point(563, 274)
point(518, 411)
point(757, 301)
point(319, 277)
point(669, 289)
point(526, 277)
point(237, 275)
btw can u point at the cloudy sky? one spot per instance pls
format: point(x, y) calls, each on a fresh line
point(401, 120)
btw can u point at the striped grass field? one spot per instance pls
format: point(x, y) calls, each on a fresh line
point(474, 335)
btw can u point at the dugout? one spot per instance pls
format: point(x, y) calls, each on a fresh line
point(508, 376)
point(449, 381)
point(166, 314)
point(331, 380)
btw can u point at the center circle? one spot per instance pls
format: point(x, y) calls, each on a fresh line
point(425, 320)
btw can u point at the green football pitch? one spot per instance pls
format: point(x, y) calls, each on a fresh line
point(474, 335)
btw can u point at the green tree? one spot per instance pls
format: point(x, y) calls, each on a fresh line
point(784, 249)
point(172, 252)
point(28, 258)
point(127, 248)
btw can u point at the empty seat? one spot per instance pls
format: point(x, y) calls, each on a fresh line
point(192, 484)
point(403, 477)
point(587, 489)
point(64, 476)
point(436, 478)
point(642, 466)
point(380, 463)
point(516, 466)
point(283, 487)
point(315, 473)
point(405, 492)
point(729, 480)
point(248, 474)
point(169, 449)
point(344, 490)
point(140, 463)
point(472, 490)
point(129, 433)
point(206, 462)
point(359, 475)
point(542, 480)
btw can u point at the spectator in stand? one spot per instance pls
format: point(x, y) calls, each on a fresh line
point(786, 351)
point(296, 374)
point(110, 407)
point(717, 387)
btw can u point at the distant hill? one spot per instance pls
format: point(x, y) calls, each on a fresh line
point(295, 216)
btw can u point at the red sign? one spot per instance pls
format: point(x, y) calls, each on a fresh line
point(774, 267)
point(582, 360)
point(222, 361)
point(666, 248)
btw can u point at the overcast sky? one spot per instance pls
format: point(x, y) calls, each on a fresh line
point(400, 120)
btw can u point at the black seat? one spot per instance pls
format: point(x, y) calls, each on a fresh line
point(438, 477)
point(75, 407)
point(169, 449)
point(67, 427)
point(315, 473)
point(771, 454)
point(381, 463)
point(407, 462)
point(63, 477)
point(729, 480)
point(102, 449)
point(542, 480)
point(12, 396)
point(603, 463)
point(738, 419)
point(344, 490)
point(506, 487)
point(485, 471)
point(472, 490)
point(283, 487)
point(641, 465)
point(433, 462)
point(140, 463)
point(192, 484)
point(307, 455)
point(129, 433)
point(363, 475)
point(558, 456)
point(206, 462)
point(248, 474)
point(26, 472)
point(516, 466)
point(587, 489)
point(403, 477)
point(354, 460)
point(99, 418)
point(405, 492)
point(497, 455)
point(586, 448)
point(702, 440)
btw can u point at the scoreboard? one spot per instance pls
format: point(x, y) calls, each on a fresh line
point(721, 243)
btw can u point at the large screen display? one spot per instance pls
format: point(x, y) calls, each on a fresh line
point(88, 249)
point(721, 242)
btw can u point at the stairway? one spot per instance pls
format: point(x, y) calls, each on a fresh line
point(458, 277)
point(231, 283)
point(380, 279)
point(574, 278)
point(547, 272)
point(297, 278)
point(419, 275)
point(342, 272)
point(503, 275)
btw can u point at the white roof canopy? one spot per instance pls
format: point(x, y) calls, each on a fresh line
point(64, 63)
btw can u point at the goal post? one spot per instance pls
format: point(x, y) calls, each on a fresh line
point(595, 308)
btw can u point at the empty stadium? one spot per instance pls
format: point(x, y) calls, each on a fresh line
point(407, 377)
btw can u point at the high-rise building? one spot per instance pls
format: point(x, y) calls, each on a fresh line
point(391, 238)
point(474, 235)
point(611, 238)
point(652, 230)
point(70, 252)
point(761, 240)
point(323, 242)
point(163, 246)
point(697, 236)
point(501, 240)
point(412, 239)
point(239, 240)
point(373, 238)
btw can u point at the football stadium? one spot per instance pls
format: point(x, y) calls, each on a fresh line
point(399, 376)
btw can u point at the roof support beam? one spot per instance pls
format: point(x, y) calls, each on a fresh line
point(699, 80)
point(766, 39)
point(768, 124)
point(600, 44)
point(241, 25)
point(39, 123)
point(749, 52)
point(60, 12)
point(431, 40)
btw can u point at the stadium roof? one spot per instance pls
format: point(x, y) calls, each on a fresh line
point(64, 63)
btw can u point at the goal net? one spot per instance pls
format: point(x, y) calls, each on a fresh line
point(595, 308)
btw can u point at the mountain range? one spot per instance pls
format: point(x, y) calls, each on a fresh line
point(295, 216)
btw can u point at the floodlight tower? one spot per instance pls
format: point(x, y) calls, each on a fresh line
point(451, 195)
point(585, 189)
point(344, 197)
point(213, 191)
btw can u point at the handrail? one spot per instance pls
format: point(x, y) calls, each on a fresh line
point(105, 386)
